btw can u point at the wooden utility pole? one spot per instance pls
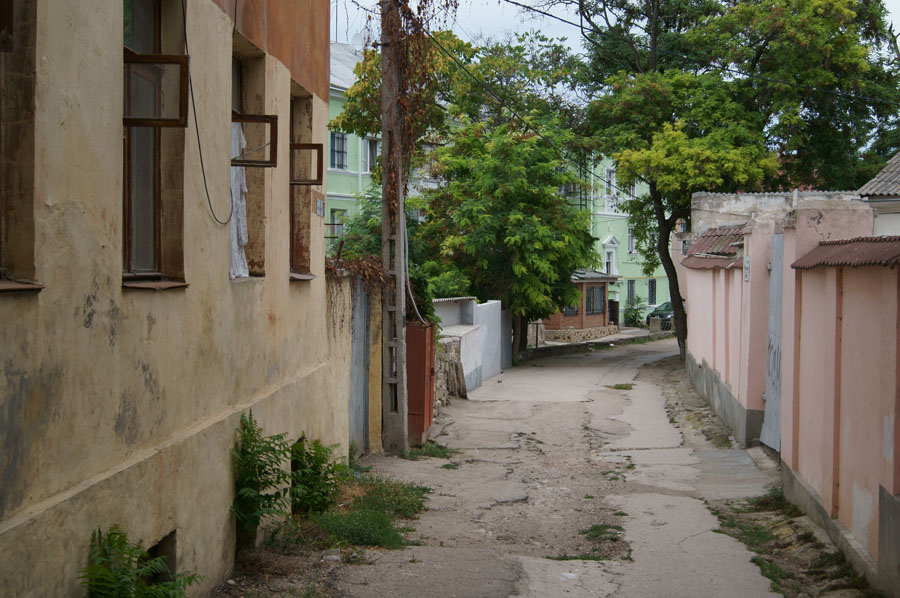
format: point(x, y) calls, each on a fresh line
point(394, 409)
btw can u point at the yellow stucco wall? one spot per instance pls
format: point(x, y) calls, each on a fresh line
point(119, 406)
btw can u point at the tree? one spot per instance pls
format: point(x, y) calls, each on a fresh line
point(710, 95)
point(499, 218)
point(796, 54)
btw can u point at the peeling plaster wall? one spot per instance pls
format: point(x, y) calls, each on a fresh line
point(119, 406)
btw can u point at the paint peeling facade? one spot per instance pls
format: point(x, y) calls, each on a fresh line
point(119, 395)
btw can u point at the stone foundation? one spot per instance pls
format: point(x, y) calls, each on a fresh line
point(577, 335)
point(449, 378)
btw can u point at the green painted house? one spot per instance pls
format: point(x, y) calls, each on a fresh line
point(349, 158)
point(615, 241)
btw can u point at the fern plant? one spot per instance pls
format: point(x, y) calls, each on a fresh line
point(118, 568)
point(261, 482)
point(313, 476)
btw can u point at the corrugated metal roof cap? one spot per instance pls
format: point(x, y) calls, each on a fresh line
point(853, 253)
point(886, 182)
point(719, 241)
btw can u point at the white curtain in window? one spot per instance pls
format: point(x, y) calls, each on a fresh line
point(239, 267)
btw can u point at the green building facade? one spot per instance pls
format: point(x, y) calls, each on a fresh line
point(615, 240)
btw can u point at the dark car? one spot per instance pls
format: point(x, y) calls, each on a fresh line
point(665, 313)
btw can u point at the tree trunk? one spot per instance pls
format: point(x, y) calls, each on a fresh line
point(520, 334)
point(662, 248)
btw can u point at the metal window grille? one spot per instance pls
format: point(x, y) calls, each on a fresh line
point(630, 294)
point(651, 291)
point(339, 151)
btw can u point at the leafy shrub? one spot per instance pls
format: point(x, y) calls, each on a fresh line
point(313, 476)
point(261, 482)
point(119, 569)
point(634, 311)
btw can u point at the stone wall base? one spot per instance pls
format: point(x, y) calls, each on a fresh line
point(745, 424)
point(576, 335)
point(449, 377)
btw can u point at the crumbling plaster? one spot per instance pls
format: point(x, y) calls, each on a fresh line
point(119, 406)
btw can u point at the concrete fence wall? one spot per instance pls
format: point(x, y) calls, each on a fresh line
point(484, 333)
point(841, 458)
point(837, 380)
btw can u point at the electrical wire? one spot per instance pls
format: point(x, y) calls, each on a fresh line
point(197, 125)
point(406, 269)
point(707, 64)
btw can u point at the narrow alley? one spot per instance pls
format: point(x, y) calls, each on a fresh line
point(570, 480)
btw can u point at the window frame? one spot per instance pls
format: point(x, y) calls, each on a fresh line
point(630, 290)
point(651, 291)
point(344, 153)
point(590, 307)
point(129, 272)
point(183, 61)
point(570, 311)
point(319, 149)
point(272, 121)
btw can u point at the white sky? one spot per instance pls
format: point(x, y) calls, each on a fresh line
point(493, 18)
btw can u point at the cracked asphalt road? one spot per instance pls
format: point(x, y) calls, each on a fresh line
point(546, 451)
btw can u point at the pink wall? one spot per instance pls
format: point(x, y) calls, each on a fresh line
point(721, 314)
point(788, 307)
point(815, 347)
point(700, 313)
point(760, 249)
point(735, 331)
point(868, 395)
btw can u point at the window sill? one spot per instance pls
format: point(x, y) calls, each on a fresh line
point(298, 277)
point(154, 285)
point(12, 286)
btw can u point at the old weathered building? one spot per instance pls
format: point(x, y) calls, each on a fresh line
point(128, 351)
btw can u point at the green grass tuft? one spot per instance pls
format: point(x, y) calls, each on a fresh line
point(584, 556)
point(627, 386)
point(429, 449)
point(773, 500)
point(602, 531)
point(395, 499)
point(363, 527)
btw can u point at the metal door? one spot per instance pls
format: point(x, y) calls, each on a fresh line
point(771, 429)
point(359, 369)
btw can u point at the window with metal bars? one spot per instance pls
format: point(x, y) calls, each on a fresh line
point(339, 151)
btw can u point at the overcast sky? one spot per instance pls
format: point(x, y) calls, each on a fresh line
point(493, 18)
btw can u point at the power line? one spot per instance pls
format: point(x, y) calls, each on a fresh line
point(707, 64)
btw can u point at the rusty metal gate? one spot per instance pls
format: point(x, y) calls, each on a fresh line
point(359, 369)
point(771, 428)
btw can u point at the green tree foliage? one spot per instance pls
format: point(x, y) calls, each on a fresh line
point(529, 72)
point(824, 140)
point(715, 95)
point(498, 217)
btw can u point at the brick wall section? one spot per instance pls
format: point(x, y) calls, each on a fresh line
point(560, 321)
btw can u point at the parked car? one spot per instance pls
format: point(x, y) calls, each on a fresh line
point(665, 313)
